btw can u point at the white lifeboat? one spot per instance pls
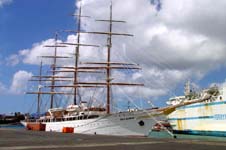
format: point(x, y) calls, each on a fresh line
point(72, 108)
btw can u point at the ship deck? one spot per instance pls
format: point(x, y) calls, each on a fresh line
point(21, 139)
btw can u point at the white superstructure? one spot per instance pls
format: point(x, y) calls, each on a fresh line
point(203, 118)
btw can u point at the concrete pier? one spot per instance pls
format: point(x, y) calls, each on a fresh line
point(20, 139)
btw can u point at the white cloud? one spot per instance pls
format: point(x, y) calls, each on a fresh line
point(33, 55)
point(12, 60)
point(19, 83)
point(203, 16)
point(4, 2)
point(184, 40)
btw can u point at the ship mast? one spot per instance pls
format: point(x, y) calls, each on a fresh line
point(53, 78)
point(187, 89)
point(39, 89)
point(108, 63)
point(108, 79)
point(77, 53)
point(53, 68)
point(99, 67)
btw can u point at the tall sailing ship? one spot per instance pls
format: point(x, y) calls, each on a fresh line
point(81, 116)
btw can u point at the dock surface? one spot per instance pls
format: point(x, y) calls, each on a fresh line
point(20, 139)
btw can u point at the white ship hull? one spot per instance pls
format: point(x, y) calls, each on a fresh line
point(206, 118)
point(120, 124)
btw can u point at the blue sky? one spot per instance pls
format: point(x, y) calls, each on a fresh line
point(181, 40)
point(23, 23)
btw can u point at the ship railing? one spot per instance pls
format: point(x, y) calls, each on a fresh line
point(212, 99)
point(68, 118)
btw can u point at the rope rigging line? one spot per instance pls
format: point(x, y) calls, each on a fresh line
point(154, 118)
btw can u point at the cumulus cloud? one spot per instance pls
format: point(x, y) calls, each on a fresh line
point(173, 40)
point(4, 2)
point(34, 55)
point(19, 83)
point(12, 60)
point(183, 40)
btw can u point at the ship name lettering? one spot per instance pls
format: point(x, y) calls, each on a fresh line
point(128, 118)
